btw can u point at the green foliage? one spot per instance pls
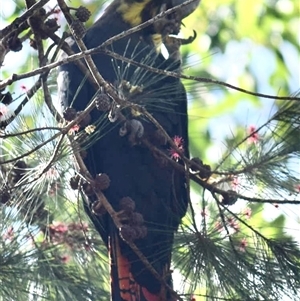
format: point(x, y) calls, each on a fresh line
point(246, 251)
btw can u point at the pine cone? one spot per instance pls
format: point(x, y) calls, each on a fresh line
point(69, 114)
point(140, 232)
point(137, 219)
point(103, 102)
point(4, 196)
point(19, 170)
point(14, 44)
point(102, 181)
point(82, 13)
point(20, 166)
point(52, 24)
point(127, 204)
point(6, 98)
point(230, 197)
point(197, 161)
point(74, 181)
point(128, 233)
point(205, 171)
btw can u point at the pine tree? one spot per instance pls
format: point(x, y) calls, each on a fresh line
point(238, 240)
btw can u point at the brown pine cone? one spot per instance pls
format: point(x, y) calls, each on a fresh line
point(69, 114)
point(137, 219)
point(102, 181)
point(103, 102)
point(127, 233)
point(127, 204)
point(82, 14)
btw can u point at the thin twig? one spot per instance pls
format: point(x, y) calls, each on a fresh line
point(64, 130)
point(5, 136)
point(142, 25)
point(77, 56)
point(114, 215)
point(23, 18)
point(211, 187)
point(191, 77)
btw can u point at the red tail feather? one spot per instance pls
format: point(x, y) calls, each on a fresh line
point(124, 286)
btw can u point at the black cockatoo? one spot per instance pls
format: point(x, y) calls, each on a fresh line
point(152, 192)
